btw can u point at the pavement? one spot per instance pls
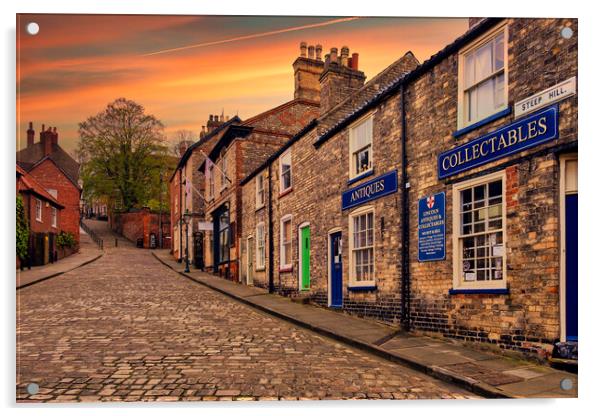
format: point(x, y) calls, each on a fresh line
point(484, 373)
point(88, 252)
point(127, 328)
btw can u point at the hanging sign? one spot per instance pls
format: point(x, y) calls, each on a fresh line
point(368, 191)
point(431, 227)
point(527, 132)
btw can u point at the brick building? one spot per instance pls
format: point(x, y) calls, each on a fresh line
point(43, 214)
point(143, 227)
point(56, 171)
point(305, 227)
point(240, 149)
point(190, 199)
point(443, 196)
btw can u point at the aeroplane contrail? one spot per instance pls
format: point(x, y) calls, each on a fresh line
point(253, 36)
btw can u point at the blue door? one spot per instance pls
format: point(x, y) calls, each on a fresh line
point(336, 270)
point(571, 266)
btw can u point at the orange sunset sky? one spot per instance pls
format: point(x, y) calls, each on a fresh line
point(183, 68)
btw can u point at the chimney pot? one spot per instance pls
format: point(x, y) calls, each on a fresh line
point(303, 47)
point(30, 135)
point(311, 52)
point(319, 52)
point(344, 55)
point(333, 54)
point(355, 58)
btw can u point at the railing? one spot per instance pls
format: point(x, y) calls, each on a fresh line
point(92, 234)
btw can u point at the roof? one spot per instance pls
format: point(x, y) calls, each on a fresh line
point(233, 131)
point(453, 47)
point(280, 107)
point(277, 154)
point(32, 156)
point(202, 140)
point(27, 183)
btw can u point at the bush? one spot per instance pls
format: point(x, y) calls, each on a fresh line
point(65, 240)
point(22, 230)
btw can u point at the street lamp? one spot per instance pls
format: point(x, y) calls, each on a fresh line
point(187, 218)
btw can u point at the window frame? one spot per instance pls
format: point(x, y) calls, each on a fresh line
point(352, 281)
point(283, 265)
point(352, 127)
point(259, 258)
point(487, 37)
point(280, 173)
point(39, 209)
point(259, 178)
point(211, 184)
point(54, 217)
point(458, 282)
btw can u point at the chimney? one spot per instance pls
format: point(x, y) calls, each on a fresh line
point(213, 123)
point(340, 78)
point(46, 140)
point(307, 70)
point(55, 137)
point(30, 135)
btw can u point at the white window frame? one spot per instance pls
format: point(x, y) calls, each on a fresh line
point(353, 282)
point(54, 217)
point(259, 202)
point(284, 219)
point(489, 36)
point(352, 173)
point(39, 209)
point(282, 156)
point(458, 282)
point(260, 257)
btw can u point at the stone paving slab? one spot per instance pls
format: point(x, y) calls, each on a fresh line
point(484, 373)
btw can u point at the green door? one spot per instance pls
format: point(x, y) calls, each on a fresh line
point(305, 258)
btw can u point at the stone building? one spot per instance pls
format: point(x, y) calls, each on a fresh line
point(239, 150)
point(443, 196)
point(48, 163)
point(189, 199)
point(306, 228)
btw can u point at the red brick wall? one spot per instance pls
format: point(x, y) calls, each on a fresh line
point(141, 224)
point(51, 177)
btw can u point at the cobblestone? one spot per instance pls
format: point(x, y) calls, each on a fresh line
point(126, 328)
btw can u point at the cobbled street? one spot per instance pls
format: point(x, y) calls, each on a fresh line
point(126, 328)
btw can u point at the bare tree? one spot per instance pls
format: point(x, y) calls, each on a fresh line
point(181, 140)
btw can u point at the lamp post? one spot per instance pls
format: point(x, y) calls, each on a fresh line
point(187, 217)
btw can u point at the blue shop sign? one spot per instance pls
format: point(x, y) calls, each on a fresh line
point(371, 190)
point(431, 227)
point(527, 132)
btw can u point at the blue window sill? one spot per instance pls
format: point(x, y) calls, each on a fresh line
point(481, 123)
point(360, 288)
point(479, 291)
point(362, 176)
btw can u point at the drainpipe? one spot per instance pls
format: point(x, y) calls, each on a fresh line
point(180, 215)
point(270, 233)
point(405, 213)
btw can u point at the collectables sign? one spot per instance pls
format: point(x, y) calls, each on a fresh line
point(431, 227)
point(527, 132)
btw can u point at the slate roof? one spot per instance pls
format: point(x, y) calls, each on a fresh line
point(32, 156)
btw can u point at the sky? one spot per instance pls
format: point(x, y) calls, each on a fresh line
point(184, 68)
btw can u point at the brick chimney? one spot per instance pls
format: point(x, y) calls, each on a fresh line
point(340, 78)
point(30, 135)
point(55, 136)
point(46, 137)
point(307, 68)
point(213, 123)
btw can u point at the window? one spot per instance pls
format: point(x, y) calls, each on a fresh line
point(260, 246)
point(360, 148)
point(483, 79)
point(223, 166)
point(224, 237)
point(286, 242)
point(286, 180)
point(259, 191)
point(38, 210)
point(479, 233)
point(361, 231)
point(53, 218)
point(211, 187)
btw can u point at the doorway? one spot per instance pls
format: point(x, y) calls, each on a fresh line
point(304, 254)
point(335, 269)
point(250, 263)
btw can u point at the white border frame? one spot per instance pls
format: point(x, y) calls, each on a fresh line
point(503, 26)
point(562, 278)
point(456, 222)
point(299, 256)
point(352, 282)
point(330, 232)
